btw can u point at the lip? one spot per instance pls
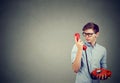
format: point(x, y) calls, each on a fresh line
point(88, 39)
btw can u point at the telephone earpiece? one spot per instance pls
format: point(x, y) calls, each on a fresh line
point(77, 38)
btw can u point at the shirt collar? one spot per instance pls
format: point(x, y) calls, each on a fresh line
point(89, 45)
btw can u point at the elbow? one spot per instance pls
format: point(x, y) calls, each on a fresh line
point(76, 69)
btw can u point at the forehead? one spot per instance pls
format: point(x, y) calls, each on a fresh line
point(89, 31)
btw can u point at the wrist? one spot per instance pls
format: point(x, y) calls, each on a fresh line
point(80, 49)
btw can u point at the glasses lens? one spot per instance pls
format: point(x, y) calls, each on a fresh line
point(87, 34)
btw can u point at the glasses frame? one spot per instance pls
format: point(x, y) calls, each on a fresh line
point(87, 34)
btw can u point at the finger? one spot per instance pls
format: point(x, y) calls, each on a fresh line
point(82, 42)
point(100, 76)
point(103, 77)
point(106, 77)
point(97, 76)
point(75, 39)
point(79, 40)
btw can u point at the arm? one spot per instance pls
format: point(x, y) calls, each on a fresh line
point(103, 61)
point(78, 54)
point(103, 65)
point(77, 63)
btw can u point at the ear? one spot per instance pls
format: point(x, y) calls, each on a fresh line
point(97, 34)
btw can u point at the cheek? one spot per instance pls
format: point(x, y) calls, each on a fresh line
point(92, 38)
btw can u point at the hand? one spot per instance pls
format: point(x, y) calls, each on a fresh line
point(102, 76)
point(79, 44)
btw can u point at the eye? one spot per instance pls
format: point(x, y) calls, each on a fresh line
point(87, 34)
point(91, 33)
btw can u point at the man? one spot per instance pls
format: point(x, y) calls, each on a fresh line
point(96, 55)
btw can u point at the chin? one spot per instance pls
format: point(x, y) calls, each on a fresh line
point(88, 41)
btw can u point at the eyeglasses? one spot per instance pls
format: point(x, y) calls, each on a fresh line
point(87, 34)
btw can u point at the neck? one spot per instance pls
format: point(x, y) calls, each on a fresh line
point(93, 43)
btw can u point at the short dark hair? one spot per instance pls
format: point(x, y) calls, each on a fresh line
point(91, 25)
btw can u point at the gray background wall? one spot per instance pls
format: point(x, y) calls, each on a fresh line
point(36, 38)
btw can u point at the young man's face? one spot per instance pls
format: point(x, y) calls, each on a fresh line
point(90, 35)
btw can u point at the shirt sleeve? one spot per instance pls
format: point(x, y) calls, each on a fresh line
point(73, 53)
point(104, 60)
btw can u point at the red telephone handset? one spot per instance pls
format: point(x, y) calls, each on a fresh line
point(77, 38)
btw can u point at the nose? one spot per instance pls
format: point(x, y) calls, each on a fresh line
point(86, 36)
